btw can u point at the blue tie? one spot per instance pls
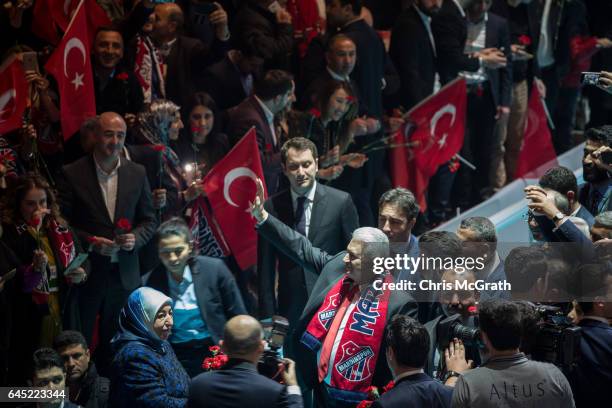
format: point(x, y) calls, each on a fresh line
point(300, 216)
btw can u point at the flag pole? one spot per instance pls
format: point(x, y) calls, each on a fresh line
point(548, 117)
point(464, 161)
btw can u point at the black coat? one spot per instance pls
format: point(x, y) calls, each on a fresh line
point(82, 204)
point(333, 220)
point(119, 95)
point(498, 36)
point(414, 58)
point(239, 385)
point(331, 269)
point(222, 81)
point(215, 288)
point(416, 391)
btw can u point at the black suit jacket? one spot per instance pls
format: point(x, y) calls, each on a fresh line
point(83, 205)
point(222, 81)
point(239, 385)
point(333, 220)
point(498, 36)
point(416, 391)
point(450, 32)
point(584, 191)
point(215, 289)
point(331, 269)
point(414, 58)
point(250, 114)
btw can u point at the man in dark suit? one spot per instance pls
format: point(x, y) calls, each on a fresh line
point(595, 193)
point(413, 51)
point(489, 92)
point(274, 92)
point(408, 346)
point(232, 79)
point(326, 216)
point(479, 240)
point(367, 243)
point(95, 192)
point(203, 290)
point(238, 384)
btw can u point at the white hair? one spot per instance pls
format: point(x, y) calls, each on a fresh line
point(379, 242)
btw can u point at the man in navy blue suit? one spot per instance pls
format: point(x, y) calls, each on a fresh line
point(238, 384)
point(408, 347)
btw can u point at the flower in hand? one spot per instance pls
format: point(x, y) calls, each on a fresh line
point(123, 224)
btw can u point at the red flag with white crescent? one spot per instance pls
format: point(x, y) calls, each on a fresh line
point(537, 148)
point(434, 132)
point(230, 187)
point(70, 64)
point(13, 95)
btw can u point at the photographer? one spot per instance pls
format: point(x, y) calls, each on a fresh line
point(507, 378)
point(238, 384)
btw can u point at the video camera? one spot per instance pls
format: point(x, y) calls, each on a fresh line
point(452, 327)
point(274, 335)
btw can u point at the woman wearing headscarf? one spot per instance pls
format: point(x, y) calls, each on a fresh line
point(145, 371)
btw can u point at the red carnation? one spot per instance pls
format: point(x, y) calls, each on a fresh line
point(123, 76)
point(268, 147)
point(92, 240)
point(315, 112)
point(34, 222)
point(158, 147)
point(389, 386)
point(524, 40)
point(214, 350)
point(124, 224)
point(351, 99)
point(364, 404)
point(196, 129)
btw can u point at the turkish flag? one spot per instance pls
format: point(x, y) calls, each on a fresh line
point(537, 148)
point(230, 186)
point(43, 25)
point(70, 64)
point(434, 131)
point(13, 95)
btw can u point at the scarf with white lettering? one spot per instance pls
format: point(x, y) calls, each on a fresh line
point(355, 360)
point(148, 71)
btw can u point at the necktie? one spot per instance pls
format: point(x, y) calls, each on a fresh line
point(596, 199)
point(300, 216)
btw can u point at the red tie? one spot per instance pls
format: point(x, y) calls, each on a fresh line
point(328, 343)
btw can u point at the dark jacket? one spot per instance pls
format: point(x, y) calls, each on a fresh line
point(243, 117)
point(256, 29)
point(83, 206)
point(239, 385)
point(498, 36)
point(414, 58)
point(416, 391)
point(122, 93)
point(584, 197)
point(94, 389)
point(333, 220)
point(215, 289)
point(331, 269)
point(222, 81)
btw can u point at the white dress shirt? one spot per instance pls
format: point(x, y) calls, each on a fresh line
point(269, 118)
point(307, 205)
point(108, 184)
point(475, 42)
point(545, 51)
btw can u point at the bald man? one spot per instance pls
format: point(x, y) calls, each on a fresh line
point(239, 384)
point(95, 192)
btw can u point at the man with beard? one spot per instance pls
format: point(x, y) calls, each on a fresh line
point(415, 63)
point(325, 215)
point(595, 192)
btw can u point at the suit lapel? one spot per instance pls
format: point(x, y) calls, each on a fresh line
point(490, 34)
point(199, 285)
point(122, 179)
point(318, 210)
point(93, 186)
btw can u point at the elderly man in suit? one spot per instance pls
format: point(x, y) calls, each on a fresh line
point(238, 384)
point(326, 216)
point(346, 313)
point(203, 290)
point(95, 193)
point(274, 92)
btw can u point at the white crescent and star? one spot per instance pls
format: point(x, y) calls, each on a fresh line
point(5, 98)
point(78, 44)
point(231, 176)
point(446, 109)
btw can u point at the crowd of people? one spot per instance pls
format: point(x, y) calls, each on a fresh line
point(111, 288)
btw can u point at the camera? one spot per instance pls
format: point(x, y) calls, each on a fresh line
point(451, 328)
point(556, 339)
point(590, 78)
point(274, 335)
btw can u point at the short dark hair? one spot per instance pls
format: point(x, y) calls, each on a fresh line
point(403, 198)
point(441, 243)
point(409, 341)
point(602, 134)
point(337, 38)
point(69, 338)
point(523, 267)
point(175, 226)
point(108, 29)
point(588, 281)
point(242, 346)
point(45, 358)
point(560, 179)
point(273, 83)
point(501, 321)
point(356, 5)
point(300, 144)
point(482, 226)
